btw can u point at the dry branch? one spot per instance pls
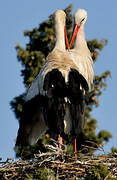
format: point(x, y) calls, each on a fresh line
point(63, 165)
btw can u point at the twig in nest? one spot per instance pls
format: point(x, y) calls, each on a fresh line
point(94, 146)
point(56, 143)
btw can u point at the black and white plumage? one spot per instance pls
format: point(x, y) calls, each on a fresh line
point(43, 106)
point(55, 100)
point(81, 57)
point(65, 91)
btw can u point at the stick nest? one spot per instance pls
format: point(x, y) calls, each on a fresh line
point(58, 164)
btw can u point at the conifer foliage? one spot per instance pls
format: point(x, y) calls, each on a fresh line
point(41, 42)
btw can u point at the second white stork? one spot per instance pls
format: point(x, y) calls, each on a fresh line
point(81, 56)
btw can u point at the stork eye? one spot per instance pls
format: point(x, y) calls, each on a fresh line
point(82, 20)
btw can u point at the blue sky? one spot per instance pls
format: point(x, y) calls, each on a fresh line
point(17, 16)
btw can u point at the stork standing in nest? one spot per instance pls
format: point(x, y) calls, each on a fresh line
point(55, 99)
point(81, 57)
point(44, 103)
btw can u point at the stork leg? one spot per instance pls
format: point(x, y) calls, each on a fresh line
point(60, 140)
point(75, 150)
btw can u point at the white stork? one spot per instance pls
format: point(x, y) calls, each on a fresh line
point(81, 56)
point(80, 78)
point(44, 102)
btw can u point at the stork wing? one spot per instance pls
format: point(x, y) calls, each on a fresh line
point(32, 124)
point(33, 90)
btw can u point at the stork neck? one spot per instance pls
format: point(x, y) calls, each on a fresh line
point(60, 37)
point(80, 39)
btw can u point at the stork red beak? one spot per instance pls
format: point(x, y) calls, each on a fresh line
point(75, 31)
point(66, 39)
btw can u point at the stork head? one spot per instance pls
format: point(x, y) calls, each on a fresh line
point(80, 20)
point(60, 16)
point(80, 17)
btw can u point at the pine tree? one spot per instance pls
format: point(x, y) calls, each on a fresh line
point(41, 42)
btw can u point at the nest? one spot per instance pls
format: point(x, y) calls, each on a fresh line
point(63, 166)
